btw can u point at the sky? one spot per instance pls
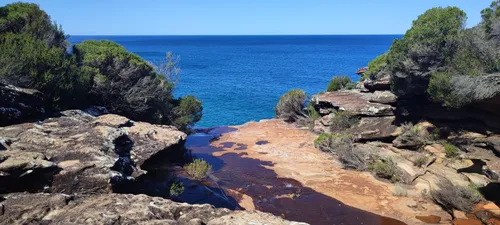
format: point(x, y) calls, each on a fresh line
point(244, 17)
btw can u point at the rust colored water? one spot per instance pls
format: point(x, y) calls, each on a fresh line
point(284, 197)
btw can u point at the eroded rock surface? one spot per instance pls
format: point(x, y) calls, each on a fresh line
point(353, 101)
point(19, 104)
point(79, 153)
point(121, 209)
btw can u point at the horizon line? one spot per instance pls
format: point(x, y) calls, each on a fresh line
point(229, 34)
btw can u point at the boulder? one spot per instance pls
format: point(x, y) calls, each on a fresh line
point(353, 101)
point(379, 84)
point(374, 128)
point(92, 153)
point(409, 140)
point(23, 169)
point(19, 104)
point(121, 209)
point(384, 97)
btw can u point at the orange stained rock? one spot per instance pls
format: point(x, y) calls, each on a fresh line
point(290, 153)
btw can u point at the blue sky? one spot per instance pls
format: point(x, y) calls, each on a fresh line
point(241, 17)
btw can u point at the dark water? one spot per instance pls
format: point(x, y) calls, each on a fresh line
point(240, 78)
point(283, 197)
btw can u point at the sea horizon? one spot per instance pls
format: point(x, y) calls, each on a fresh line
point(239, 78)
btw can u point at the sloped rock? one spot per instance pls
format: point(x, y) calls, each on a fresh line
point(409, 140)
point(23, 169)
point(379, 84)
point(353, 101)
point(121, 209)
point(19, 104)
point(384, 97)
point(93, 152)
point(374, 128)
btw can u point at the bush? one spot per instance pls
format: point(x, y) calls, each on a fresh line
point(489, 15)
point(338, 83)
point(312, 112)
point(33, 54)
point(421, 161)
point(128, 85)
point(450, 150)
point(290, 106)
point(198, 169)
point(176, 188)
point(440, 89)
point(343, 120)
point(187, 112)
point(385, 168)
point(375, 66)
point(423, 49)
point(343, 146)
point(456, 197)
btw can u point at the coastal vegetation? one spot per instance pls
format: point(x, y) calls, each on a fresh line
point(35, 53)
point(291, 105)
point(340, 82)
point(437, 55)
point(198, 169)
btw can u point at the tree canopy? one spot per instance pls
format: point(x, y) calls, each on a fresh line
point(34, 54)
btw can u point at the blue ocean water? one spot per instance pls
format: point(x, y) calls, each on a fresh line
point(240, 78)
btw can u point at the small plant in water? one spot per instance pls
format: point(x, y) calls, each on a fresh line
point(198, 169)
point(176, 188)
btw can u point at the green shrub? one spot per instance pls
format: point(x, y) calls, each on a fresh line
point(375, 66)
point(186, 112)
point(385, 168)
point(423, 48)
point(312, 112)
point(128, 85)
point(489, 15)
point(198, 169)
point(441, 90)
point(338, 83)
point(176, 188)
point(33, 54)
point(450, 150)
point(343, 120)
point(290, 106)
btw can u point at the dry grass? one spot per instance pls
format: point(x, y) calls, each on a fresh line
point(399, 190)
point(456, 197)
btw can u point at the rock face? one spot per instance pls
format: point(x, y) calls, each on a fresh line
point(19, 104)
point(121, 209)
point(80, 153)
point(375, 111)
point(379, 84)
point(353, 101)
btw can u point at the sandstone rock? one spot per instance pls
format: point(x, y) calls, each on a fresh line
point(362, 70)
point(26, 170)
point(374, 128)
point(490, 162)
point(379, 84)
point(353, 101)
point(93, 152)
point(19, 104)
point(438, 151)
point(459, 214)
point(384, 97)
point(121, 209)
point(409, 140)
point(477, 179)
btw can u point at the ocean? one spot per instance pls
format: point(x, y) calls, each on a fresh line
point(240, 78)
